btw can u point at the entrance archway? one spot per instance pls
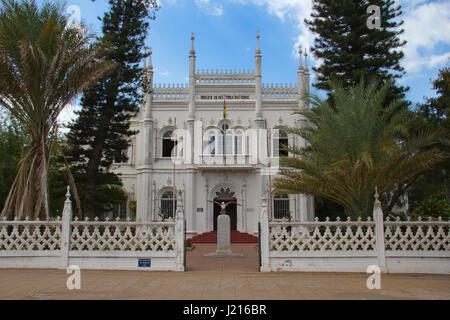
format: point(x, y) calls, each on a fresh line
point(225, 192)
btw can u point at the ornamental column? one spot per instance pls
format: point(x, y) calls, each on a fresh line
point(306, 78)
point(191, 174)
point(300, 74)
point(304, 201)
point(258, 91)
point(303, 80)
point(192, 58)
point(244, 208)
point(145, 142)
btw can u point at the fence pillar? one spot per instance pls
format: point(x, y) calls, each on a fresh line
point(379, 233)
point(179, 240)
point(264, 237)
point(65, 230)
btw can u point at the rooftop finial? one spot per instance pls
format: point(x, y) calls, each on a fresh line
point(192, 47)
point(300, 54)
point(258, 51)
point(306, 60)
point(377, 196)
point(68, 193)
point(150, 65)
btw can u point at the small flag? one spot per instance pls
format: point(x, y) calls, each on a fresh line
point(224, 110)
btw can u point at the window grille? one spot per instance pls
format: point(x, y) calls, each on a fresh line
point(168, 205)
point(281, 208)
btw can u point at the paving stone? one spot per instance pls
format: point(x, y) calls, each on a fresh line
point(223, 279)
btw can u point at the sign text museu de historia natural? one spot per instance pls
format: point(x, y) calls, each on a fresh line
point(233, 97)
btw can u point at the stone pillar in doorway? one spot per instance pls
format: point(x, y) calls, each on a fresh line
point(205, 210)
point(243, 226)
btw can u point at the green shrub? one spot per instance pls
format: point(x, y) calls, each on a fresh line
point(433, 207)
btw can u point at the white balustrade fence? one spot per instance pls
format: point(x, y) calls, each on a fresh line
point(171, 92)
point(30, 235)
point(351, 246)
point(279, 91)
point(95, 244)
point(270, 91)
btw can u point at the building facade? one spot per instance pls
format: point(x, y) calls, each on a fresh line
point(214, 140)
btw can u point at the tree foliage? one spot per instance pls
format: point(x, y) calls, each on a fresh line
point(350, 50)
point(13, 141)
point(356, 145)
point(435, 114)
point(43, 66)
point(102, 130)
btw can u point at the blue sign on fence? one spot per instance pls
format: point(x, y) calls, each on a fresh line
point(144, 263)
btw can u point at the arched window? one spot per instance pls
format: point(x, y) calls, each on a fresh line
point(238, 142)
point(120, 211)
point(168, 205)
point(211, 144)
point(280, 142)
point(281, 206)
point(167, 144)
point(225, 138)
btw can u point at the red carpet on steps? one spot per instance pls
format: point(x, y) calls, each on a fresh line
point(236, 237)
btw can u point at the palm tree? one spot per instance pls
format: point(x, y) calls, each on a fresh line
point(355, 146)
point(44, 65)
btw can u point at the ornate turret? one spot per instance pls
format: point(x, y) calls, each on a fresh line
point(303, 79)
point(192, 58)
point(258, 92)
point(306, 75)
point(148, 78)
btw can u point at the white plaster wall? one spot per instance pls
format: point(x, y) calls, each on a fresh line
point(432, 265)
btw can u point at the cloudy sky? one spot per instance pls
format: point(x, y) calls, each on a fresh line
point(225, 33)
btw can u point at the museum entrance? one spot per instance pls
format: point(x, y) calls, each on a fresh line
point(230, 210)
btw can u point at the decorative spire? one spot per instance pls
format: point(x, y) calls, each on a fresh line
point(192, 47)
point(150, 64)
point(377, 197)
point(300, 54)
point(306, 60)
point(258, 51)
point(68, 193)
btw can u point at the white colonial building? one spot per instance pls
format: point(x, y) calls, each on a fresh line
point(219, 158)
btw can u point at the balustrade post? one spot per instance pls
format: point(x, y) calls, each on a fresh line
point(264, 238)
point(379, 233)
point(65, 230)
point(179, 241)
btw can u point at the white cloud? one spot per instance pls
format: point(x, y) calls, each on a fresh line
point(210, 7)
point(161, 3)
point(427, 25)
point(293, 10)
point(217, 11)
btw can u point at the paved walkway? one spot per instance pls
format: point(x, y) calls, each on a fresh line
point(218, 278)
point(196, 261)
